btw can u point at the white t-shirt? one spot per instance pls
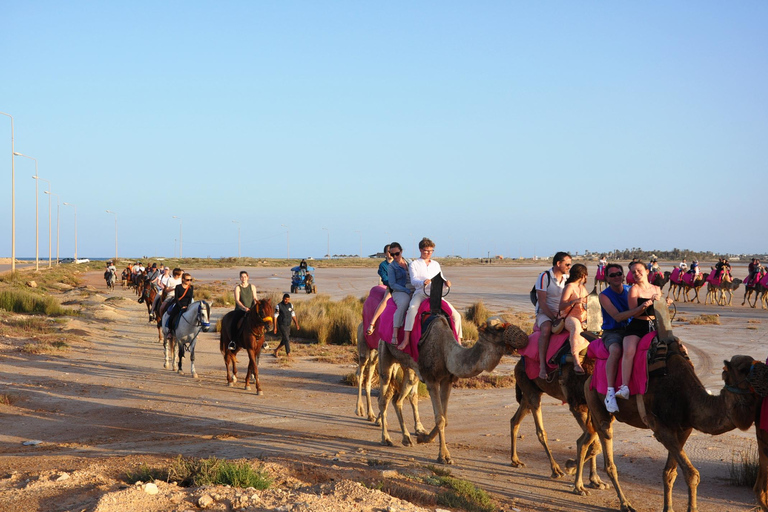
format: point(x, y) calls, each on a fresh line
point(553, 287)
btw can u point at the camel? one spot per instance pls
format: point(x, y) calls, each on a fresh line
point(686, 288)
point(661, 279)
point(568, 388)
point(724, 287)
point(672, 407)
point(441, 362)
point(760, 291)
point(761, 484)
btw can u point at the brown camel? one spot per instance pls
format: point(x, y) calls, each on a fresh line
point(760, 291)
point(716, 293)
point(696, 286)
point(673, 406)
point(442, 361)
point(568, 388)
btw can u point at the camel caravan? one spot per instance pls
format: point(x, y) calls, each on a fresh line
point(587, 349)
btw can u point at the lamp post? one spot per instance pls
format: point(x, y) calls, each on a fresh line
point(361, 242)
point(13, 199)
point(181, 233)
point(49, 217)
point(238, 237)
point(329, 243)
point(57, 221)
point(37, 213)
point(113, 213)
point(75, 207)
point(288, 238)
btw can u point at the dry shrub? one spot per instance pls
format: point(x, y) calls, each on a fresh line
point(706, 320)
point(329, 322)
point(7, 399)
point(745, 465)
point(469, 330)
point(477, 313)
point(486, 381)
point(45, 347)
point(21, 301)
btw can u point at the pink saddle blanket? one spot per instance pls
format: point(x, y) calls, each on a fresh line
point(675, 275)
point(638, 383)
point(688, 279)
point(600, 274)
point(385, 325)
point(531, 352)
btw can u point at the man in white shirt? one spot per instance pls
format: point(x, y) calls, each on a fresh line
point(549, 289)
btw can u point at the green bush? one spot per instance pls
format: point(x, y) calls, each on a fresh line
point(198, 472)
point(329, 322)
point(20, 301)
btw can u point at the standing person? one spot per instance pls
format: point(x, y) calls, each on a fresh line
point(400, 283)
point(573, 306)
point(422, 271)
point(245, 298)
point(182, 298)
point(549, 290)
point(283, 315)
point(384, 266)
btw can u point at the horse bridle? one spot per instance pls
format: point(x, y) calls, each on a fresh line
point(736, 390)
point(199, 314)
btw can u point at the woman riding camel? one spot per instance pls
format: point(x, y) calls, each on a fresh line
point(422, 271)
point(245, 298)
point(573, 306)
point(642, 294)
point(183, 297)
point(399, 280)
point(384, 277)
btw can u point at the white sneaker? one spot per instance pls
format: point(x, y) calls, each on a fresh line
point(610, 403)
point(623, 392)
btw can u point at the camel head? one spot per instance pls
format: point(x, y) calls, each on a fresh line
point(737, 374)
point(497, 331)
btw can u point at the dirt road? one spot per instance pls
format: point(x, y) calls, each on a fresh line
point(109, 397)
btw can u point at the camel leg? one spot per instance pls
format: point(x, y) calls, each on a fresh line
point(360, 374)
point(583, 445)
point(761, 484)
point(413, 398)
point(439, 392)
point(385, 396)
point(514, 428)
point(371, 368)
point(538, 420)
point(409, 382)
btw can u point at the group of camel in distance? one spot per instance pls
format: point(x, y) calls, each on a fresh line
point(674, 405)
point(715, 292)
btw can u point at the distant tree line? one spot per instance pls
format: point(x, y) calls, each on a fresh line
point(674, 255)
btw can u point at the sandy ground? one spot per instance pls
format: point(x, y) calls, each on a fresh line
point(108, 403)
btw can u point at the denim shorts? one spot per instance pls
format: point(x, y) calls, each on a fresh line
point(612, 336)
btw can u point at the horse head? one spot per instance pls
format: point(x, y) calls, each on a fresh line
point(204, 315)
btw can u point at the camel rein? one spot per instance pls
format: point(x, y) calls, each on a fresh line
point(740, 391)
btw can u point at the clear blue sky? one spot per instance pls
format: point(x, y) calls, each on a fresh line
point(497, 126)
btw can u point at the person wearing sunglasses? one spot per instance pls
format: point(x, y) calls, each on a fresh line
point(399, 279)
point(183, 297)
point(614, 303)
point(549, 291)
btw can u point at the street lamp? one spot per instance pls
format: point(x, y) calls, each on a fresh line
point(13, 199)
point(181, 234)
point(75, 207)
point(49, 217)
point(113, 213)
point(288, 238)
point(57, 221)
point(37, 214)
point(238, 237)
point(329, 242)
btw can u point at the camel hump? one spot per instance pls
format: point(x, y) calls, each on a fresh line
point(594, 312)
point(663, 322)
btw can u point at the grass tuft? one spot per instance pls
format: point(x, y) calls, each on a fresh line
point(191, 472)
point(477, 313)
point(706, 320)
point(329, 322)
point(21, 301)
point(145, 473)
point(745, 466)
point(7, 399)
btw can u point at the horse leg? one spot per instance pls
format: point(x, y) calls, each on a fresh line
point(166, 342)
point(192, 360)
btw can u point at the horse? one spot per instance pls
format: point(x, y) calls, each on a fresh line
point(250, 337)
point(125, 277)
point(195, 319)
point(110, 278)
point(148, 294)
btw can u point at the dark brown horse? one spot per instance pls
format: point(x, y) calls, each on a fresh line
point(148, 295)
point(249, 337)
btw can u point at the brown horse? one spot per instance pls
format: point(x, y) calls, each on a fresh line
point(250, 337)
point(148, 295)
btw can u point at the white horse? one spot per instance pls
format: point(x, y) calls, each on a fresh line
point(195, 319)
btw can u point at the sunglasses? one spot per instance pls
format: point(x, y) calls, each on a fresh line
point(394, 254)
point(616, 274)
point(187, 280)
